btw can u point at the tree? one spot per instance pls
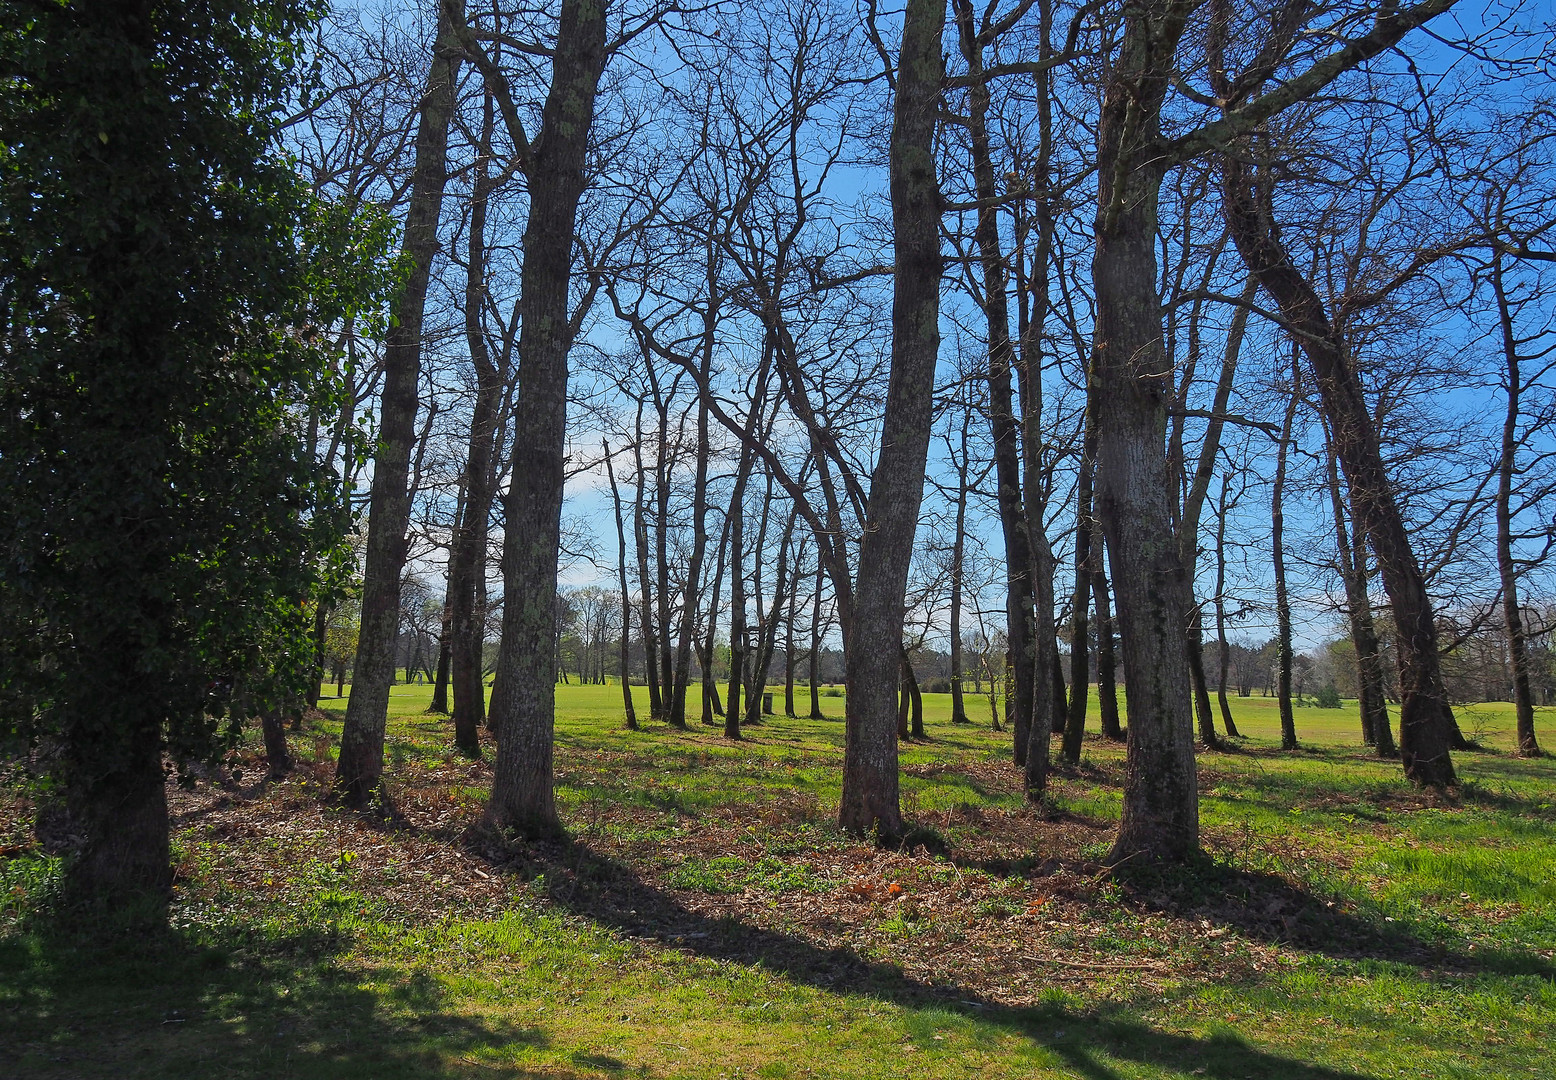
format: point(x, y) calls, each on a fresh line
point(170, 286)
point(360, 767)
point(522, 796)
point(870, 781)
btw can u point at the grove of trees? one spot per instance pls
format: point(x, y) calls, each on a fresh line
point(1031, 349)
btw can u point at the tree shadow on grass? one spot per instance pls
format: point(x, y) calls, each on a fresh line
point(611, 894)
point(130, 1001)
point(1269, 908)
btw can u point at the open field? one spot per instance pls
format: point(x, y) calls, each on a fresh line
point(707, 919)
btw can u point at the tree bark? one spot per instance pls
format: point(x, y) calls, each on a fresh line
point(1288, 724)
point(1080, 604)
point(869, 802)
point(522, 796)
point(683, 654)
point(958, 556)
point(467, 559)
point(277, 757)
point(1424, 729)
point(737, 602)
point(645, 590)
point(710, 686)
point(815, 642)
point(1376, 729)
point(1507, 466)
point(626, 604)
point(1107, 681)
point(1131, 379)
point(359, 770)
point(1020, 609)
point(1226, 656)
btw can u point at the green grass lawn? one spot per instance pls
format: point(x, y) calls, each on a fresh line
point(708, 920)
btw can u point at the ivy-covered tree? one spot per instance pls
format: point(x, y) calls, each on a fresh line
point(171, 298)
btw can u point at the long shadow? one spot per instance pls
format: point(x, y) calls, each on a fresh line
point(611, 894)
point(1266, 907)
point(132, 1002)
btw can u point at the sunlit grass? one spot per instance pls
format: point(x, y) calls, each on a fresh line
point(315, 972)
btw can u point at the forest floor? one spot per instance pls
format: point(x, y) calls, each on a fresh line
point(707, 919)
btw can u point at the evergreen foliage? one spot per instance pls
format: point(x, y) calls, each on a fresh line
point(171, 300)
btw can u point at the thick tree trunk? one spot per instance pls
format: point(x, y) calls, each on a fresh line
point(869, 802)
point(277, 757)
point(1507, 567)
point(522, 796)
point(1131, 380)
point(359, 770)
point(121, 809)
point(1283, 658)
point(1424, 728)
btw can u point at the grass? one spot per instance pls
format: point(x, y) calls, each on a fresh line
point(707, 919)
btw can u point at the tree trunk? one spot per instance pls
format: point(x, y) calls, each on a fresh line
point(645, 591)
point(522, 796)
point(122, 812)
point(710, 685)
point(815, 642)
point(1131, 380)
point(869, 802)
point(1507, 466)
point(1424, 732)
point(1376, 729)
point(782, 585)
point(958, 556)
point(1226, 655)
point(662, 562)
point(683, 654)
point(1020, 627)
point(1080, 605)
point(277, 757)
point(1048, 705)
point(737, 602)
point(1283, 658)
point(321, 623)
point(359, 770)
point(467, 559)
point(788, 634)
point(626, 603)
point(1107, 680)
point(440, 677)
